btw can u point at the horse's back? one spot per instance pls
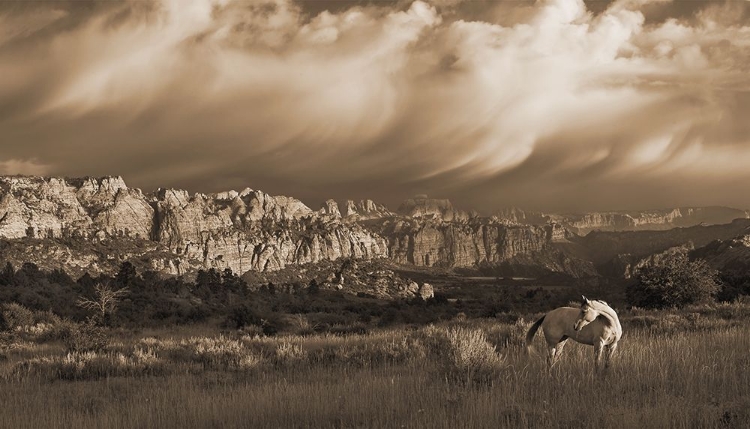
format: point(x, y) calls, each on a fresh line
point(559, 323)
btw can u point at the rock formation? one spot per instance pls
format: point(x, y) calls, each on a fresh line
point(96, 224)
point(428, 208)
point(366, 209)
point(478, 243)
point(247, 230)
point(649, 219)
point(426, 291)
point(331, 208)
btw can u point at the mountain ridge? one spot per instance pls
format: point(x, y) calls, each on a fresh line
point(175, 232)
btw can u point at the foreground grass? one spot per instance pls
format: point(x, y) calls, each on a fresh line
point(683, 373)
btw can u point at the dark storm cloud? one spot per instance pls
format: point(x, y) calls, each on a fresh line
point(548, 104)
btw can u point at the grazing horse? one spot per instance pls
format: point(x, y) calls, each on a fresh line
point(595, 324)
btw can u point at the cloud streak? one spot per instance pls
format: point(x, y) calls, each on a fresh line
point(544, 104)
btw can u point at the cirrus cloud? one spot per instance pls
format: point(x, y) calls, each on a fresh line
point(544, 104)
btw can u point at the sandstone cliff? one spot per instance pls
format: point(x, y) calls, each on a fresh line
point(247, 230)
point(429, 208)
point(366, 209)
point(482, 243)
point(649, 220)
point(95, 224)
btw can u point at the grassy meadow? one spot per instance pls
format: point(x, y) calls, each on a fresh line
point(674, 369)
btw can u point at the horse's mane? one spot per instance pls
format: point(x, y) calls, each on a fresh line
point(609, 311)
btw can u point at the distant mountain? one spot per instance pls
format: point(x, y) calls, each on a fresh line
point(647, 220)
point(95, 224)
point(730, 256)
point(429, 208)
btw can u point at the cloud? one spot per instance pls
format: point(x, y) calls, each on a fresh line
point(23, 167)
point(546, 104)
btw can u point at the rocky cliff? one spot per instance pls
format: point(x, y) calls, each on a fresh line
point(366, 209)
point(429, 208)
point(647, 220)
point(95, 224)
point(247, 230)
point(482, 242)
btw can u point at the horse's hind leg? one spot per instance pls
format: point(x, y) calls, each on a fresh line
point(558, 349)
point(554, 351)
point(610, 351)
point(598, 348)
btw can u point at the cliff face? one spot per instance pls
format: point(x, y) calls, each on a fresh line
point(429, 208)
point(95, 224)
point(247, 230)
point(481, 243)
point(649, 219)
point(54, 208)
point(366, 209)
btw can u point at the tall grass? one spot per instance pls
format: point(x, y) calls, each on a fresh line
point(680, 371)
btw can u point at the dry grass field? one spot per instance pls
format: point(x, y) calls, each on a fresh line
point(674, 369)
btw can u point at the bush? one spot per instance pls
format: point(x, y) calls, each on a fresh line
point(16, 316)
point(471, 355)
point(92, 365)
point(673, 281)
point(86, 337)
point(289, 354)
point(464, 354)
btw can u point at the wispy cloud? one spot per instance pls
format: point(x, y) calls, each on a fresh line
point(27, 167)
point(544, 104)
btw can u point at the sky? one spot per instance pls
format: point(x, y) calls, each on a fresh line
point(554, 105)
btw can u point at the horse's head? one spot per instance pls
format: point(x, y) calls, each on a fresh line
point(587, 315)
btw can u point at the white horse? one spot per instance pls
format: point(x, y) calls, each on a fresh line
point(595, 324)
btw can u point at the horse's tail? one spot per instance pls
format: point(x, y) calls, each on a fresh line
point(532, 332)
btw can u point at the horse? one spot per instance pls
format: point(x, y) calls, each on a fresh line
point(595, 324)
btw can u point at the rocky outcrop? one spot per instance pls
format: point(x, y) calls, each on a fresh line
point(55, 208)
point(428, 208)
point(649, 220)
point(366, 209)
point(256, 231)
point(516, 216)
point(730, 256)
point(478, 243)
point(426, 291)
point(248, 230)
point(99, 223)
point(331, 208)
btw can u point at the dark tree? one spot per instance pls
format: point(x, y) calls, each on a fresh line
point(673, 281)
point(7, 275)
point(127, 276)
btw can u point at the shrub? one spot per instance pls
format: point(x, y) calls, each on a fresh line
point(15, 316)
point(508, 334)
point(470, 356)
point(289, 354)
point(85, 337)
point(211, 353)
point(673, 281)
point(92, 365)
